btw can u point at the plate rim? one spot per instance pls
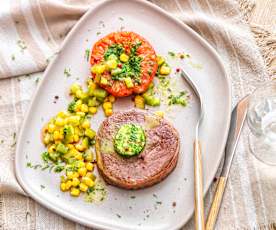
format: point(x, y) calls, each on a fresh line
point(192, 33)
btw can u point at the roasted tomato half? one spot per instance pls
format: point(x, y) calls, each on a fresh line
point(123, 63)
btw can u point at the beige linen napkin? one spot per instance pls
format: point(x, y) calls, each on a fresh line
point(31, 32)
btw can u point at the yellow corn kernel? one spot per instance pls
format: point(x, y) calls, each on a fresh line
point(111, 98)
point(80, 147)
point(92, 110)
point(160, 60)
point(63, 187)
point(51, 128)
point(107, 105)
point(91, 84)
point(59, 121)
point(62, 114)
point(108, 112)
point(61, 136)
point(165, 70)
point(160, 113)
point(70, 146)
point(91, 175)
point(74, 88)
point(80, 114)
point(75, 192)
point(89, 157)
point(76, 138)
point(82, 171)
point(98, 69)
point(83, 187)
point(88, 181)
point(75, 182)
point(77, 130)
point(68, 184)
point(79, 94)
point(62, 179)
point(51, 149)
point(74, 120)
point(76, 175)
point(111, 64)
point(124, 57)
point(89, 166)
point(85, 124)
point(56, 135)
point(84, 108)
point(80, 164)
point(46, 139)
point(70, 175)
point(78, 156)
point(139, 102)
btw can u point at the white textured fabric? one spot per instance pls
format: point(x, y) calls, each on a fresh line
point(31, 32)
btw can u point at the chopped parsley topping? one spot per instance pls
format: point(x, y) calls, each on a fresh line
point(115, 49)
point(129, 140)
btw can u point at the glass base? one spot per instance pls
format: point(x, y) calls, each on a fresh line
point(262, 149)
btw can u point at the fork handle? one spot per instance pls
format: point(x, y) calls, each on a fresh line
point(198, 187)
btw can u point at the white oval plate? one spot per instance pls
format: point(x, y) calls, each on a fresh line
point(120, 211)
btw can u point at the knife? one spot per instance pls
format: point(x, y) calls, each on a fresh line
point(237, 120)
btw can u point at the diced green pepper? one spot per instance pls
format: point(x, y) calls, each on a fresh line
point(90, 133)
point(116, 71)
point(61, 148)
point(92, 102)
point(100, 93)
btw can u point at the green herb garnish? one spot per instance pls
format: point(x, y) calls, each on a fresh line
point(115, 49)
point(87, 54)
point(67, 72)
point(172, 54)
point(180, 99)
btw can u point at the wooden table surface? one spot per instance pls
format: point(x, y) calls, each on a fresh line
point(264, 14)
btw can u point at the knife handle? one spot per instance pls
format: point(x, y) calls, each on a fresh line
point(199, 207)
point(212, 217)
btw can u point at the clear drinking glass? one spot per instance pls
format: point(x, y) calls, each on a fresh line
point(261, 119)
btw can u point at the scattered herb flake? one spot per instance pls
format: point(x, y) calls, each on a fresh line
point(67, 72)
point(180, 99)
point(154, 195)
point(158, 202)
point(22, 45)
point(119, 216)
point(102, 23)
point(98, 33)
point(36, 80)
point(132, 197)
point(172, 54)
point(29, 165)
point(42, 186)
point(121, 19)
point(87, 54)
point(13, 57)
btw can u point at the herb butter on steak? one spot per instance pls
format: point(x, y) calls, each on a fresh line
point(141, 169)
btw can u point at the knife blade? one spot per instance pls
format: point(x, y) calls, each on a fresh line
point(237, 120)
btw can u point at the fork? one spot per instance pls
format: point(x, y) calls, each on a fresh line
point(198, 183)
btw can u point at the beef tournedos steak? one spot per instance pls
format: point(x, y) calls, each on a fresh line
point(157, 159)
